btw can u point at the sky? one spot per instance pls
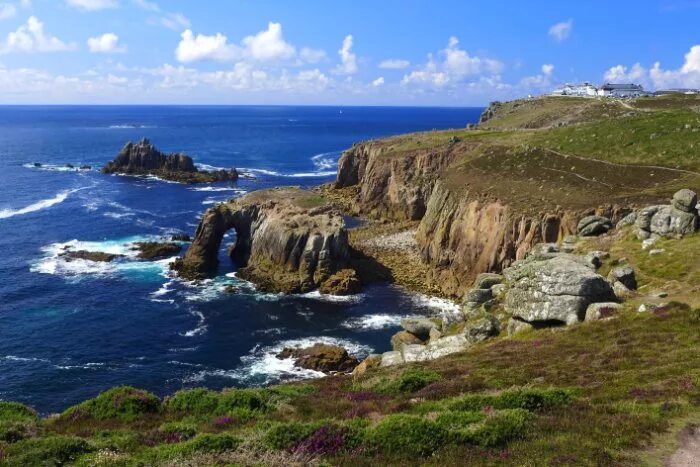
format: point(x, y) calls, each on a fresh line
point(333, 52)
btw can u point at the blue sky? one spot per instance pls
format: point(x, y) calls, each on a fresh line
point(360, 52)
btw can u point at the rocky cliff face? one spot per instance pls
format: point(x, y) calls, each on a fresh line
point(143, 158)
point(282, 245)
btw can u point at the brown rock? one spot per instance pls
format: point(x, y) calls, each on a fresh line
point(97, 256)
point(343, 282)
point(404, 337)
point(321, 357)
point(372, 361)
point(154, 250)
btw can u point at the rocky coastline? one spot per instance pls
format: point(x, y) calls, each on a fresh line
point(142, 158)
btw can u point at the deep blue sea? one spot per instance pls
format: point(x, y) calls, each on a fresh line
point(69, 330)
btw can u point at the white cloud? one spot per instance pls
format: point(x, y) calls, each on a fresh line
point(269, 45)
point(31, 37)
point(348, 60)
point(7, 10)
point(105, 43)
point(312, 55)
point(687, 76)
point(200, 47)
point(561, 31)
point(93, 5)
point(378, 82)
point(266, 46)
point(394, 64)
point(458, 65)
point(147, 5)
point(547, 69)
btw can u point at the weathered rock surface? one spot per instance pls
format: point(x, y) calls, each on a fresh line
point(321, 357)
point(598, 311)
point(624, 275)
point(419, 327)
point(372, 361)
point(281, 245)
point(154, 250)
point(593, 225)
point(556, 290)
point(143, 158)
point(678, 218)
point(481, 329)
point(343, 282)
point(404, 337)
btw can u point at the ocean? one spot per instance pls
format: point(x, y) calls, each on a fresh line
point(69, 330)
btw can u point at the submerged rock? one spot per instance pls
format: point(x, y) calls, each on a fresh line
point(143, 158)
point(96, 256)
point(321, 357)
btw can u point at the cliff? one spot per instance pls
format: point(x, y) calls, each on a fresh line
point(143, 158)
point(287, 240)
point(483, 198)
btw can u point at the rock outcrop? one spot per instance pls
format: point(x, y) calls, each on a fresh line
point(282, 245)
point(96, 256)
point(155, 250)
point(143, 158)
point(321, 357)
point(553, 290)
point(678, 218)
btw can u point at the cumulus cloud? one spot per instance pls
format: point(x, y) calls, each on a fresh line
point(378, 82)
point(266, 46)
point(30, 38)
point(687, 76)
point(561, 31)
point(348, 59)
point(394, 64)
point(547, 69)
point(455, 68)
point(92, 5)
point(105, 43)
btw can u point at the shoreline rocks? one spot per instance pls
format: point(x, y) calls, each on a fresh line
point(321, 357)
point(96, 256)
point(142, 158)
point(156, 250)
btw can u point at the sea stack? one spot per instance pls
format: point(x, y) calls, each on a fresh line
point(143, 158)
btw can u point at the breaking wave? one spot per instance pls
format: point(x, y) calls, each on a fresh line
point(39, 205)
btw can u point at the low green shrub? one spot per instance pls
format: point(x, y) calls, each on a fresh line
point(205, 443)
point(409, 381)
point(54, 450)
point(496, 429)
point(452, 420)
point(198, 401)
point(123, 403)
point(528, 398)
point(117, 440)
point(401, 434)
point(183, 430)
point(285, 435)
point(16, 412)
point(232, 399)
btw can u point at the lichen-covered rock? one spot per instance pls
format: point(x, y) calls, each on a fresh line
point(556, 290)
point(391, 358)
point(435, 349)
point(516, 326)
point(594, 225)
point(282, 245)
point(481, 329)
point(404, 337)
point(486, 280)
point(321, 357)
point(597, 311)
point(625, 275)
point(419, 327)
point(685, 200)
point(343, 282)
point(478, 296)
point(678, 218)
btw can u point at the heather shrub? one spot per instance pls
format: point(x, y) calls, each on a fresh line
point(327, 440)
point(54, 450)
point(17, 421)
point(250, 399)
point(402, 434)
point(179, 430)
point(498, 428)
point(529, 399)
point(123, 403)
point(198, 401)
point(205, 443)
point(458, 420)
point(409, 381)
point(117, 440)
point(286, 435)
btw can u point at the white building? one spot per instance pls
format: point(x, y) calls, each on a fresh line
point(606, 90)
point(579, 90)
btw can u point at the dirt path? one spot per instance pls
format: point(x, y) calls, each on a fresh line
point(688, 453)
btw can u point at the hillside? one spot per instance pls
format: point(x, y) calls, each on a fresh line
point(616, 385)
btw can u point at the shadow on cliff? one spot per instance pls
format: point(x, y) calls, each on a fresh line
point(368, 268)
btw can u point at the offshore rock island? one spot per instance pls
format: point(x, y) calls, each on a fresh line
point(565, 228)
point(142, 158)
